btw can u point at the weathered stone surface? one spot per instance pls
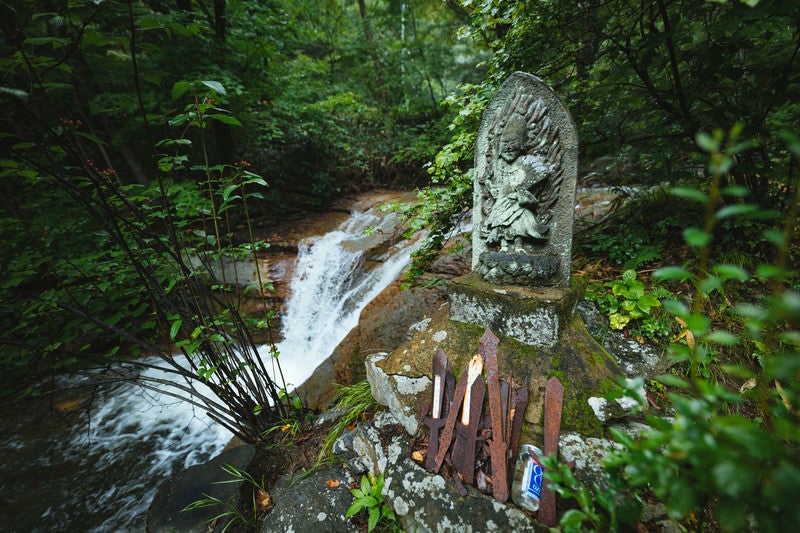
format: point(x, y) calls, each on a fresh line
point(187, 486)
point(401, 393)
point(578, 360)
point(533, 316)
point(526, 162)
point(422, 501)
point(635, 359)
point(311, 503)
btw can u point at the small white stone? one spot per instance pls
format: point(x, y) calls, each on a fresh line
point(321, 517)
point(598, 406)
point(439, 336)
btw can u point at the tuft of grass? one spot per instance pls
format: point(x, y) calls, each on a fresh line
point(355, 403)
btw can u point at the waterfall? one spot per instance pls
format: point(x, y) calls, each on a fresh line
point(97, 468)
point(331, 287)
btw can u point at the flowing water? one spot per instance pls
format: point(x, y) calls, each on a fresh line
point(92, 461)
point(331, 286)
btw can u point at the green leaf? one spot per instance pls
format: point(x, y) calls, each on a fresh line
point(676, 308)
point(671, 380)
point(696, 237)
point(698, 323)
point(355, 508)
point(689, 193)
point(374, 516)
point(768, 271)
point(671, 273)
point(214, 86)
point(733, 478)
point(176, 326)
point(225, 119)
point(776, 237)
point(725, 338)
point(735, 210)
point(738, 191)
point(738, 371)
point(94, 138)
point(22, 95)
point(572, 520)
point(710, 284)
point(732, 515)
point(727, 271)
point(179, 89)
point(707, 142)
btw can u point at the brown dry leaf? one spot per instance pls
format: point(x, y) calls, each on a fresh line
point(417, 456)
point(685, 333)
point(748, 385)
point(333, 483)
point(263, 499)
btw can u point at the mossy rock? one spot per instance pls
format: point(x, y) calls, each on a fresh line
point(584, 367)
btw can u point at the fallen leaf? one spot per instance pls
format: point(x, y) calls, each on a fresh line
point(333, 483)
point(417, 456)
point(263, 499)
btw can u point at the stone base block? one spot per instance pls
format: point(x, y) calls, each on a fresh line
point(533, 316)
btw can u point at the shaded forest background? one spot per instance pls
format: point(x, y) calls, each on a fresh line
point(135, 135)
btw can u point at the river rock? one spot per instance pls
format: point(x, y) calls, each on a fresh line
point(317, 502)
point(166, 513)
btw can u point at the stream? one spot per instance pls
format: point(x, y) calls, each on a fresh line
point(92, 458)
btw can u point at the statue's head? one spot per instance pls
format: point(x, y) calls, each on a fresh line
point(513, 137)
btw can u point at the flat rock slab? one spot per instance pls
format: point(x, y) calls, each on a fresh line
point(533, 316)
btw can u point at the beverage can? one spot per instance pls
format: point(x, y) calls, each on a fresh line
point(528, 476)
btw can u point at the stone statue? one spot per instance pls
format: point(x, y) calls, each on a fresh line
point(525, 166)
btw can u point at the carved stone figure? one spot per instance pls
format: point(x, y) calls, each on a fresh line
point(525, 172)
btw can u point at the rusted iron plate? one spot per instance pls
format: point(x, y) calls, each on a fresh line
point(498, 448)
point(553, 405)
point(463, 455)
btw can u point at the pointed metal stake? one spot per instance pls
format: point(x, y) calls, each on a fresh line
point(498, 447)
point(446, 436)
point(518, 404)
point(553, 405)
point(435, 422)
point(463, 455)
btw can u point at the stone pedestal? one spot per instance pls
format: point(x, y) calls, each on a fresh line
point(533, 316)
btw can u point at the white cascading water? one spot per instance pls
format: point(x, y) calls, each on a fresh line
point(330, 289)
point(99, 472)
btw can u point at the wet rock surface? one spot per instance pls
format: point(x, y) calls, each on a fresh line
point(166, 513)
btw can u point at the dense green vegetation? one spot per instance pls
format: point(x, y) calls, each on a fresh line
point(138, 135)
point(135, 134)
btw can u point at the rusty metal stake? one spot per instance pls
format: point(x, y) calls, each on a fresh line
point(498, 447)
point(446, 436)
point(463, 455)
point(518, 404)
point(553, 404)
point(436, 422)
